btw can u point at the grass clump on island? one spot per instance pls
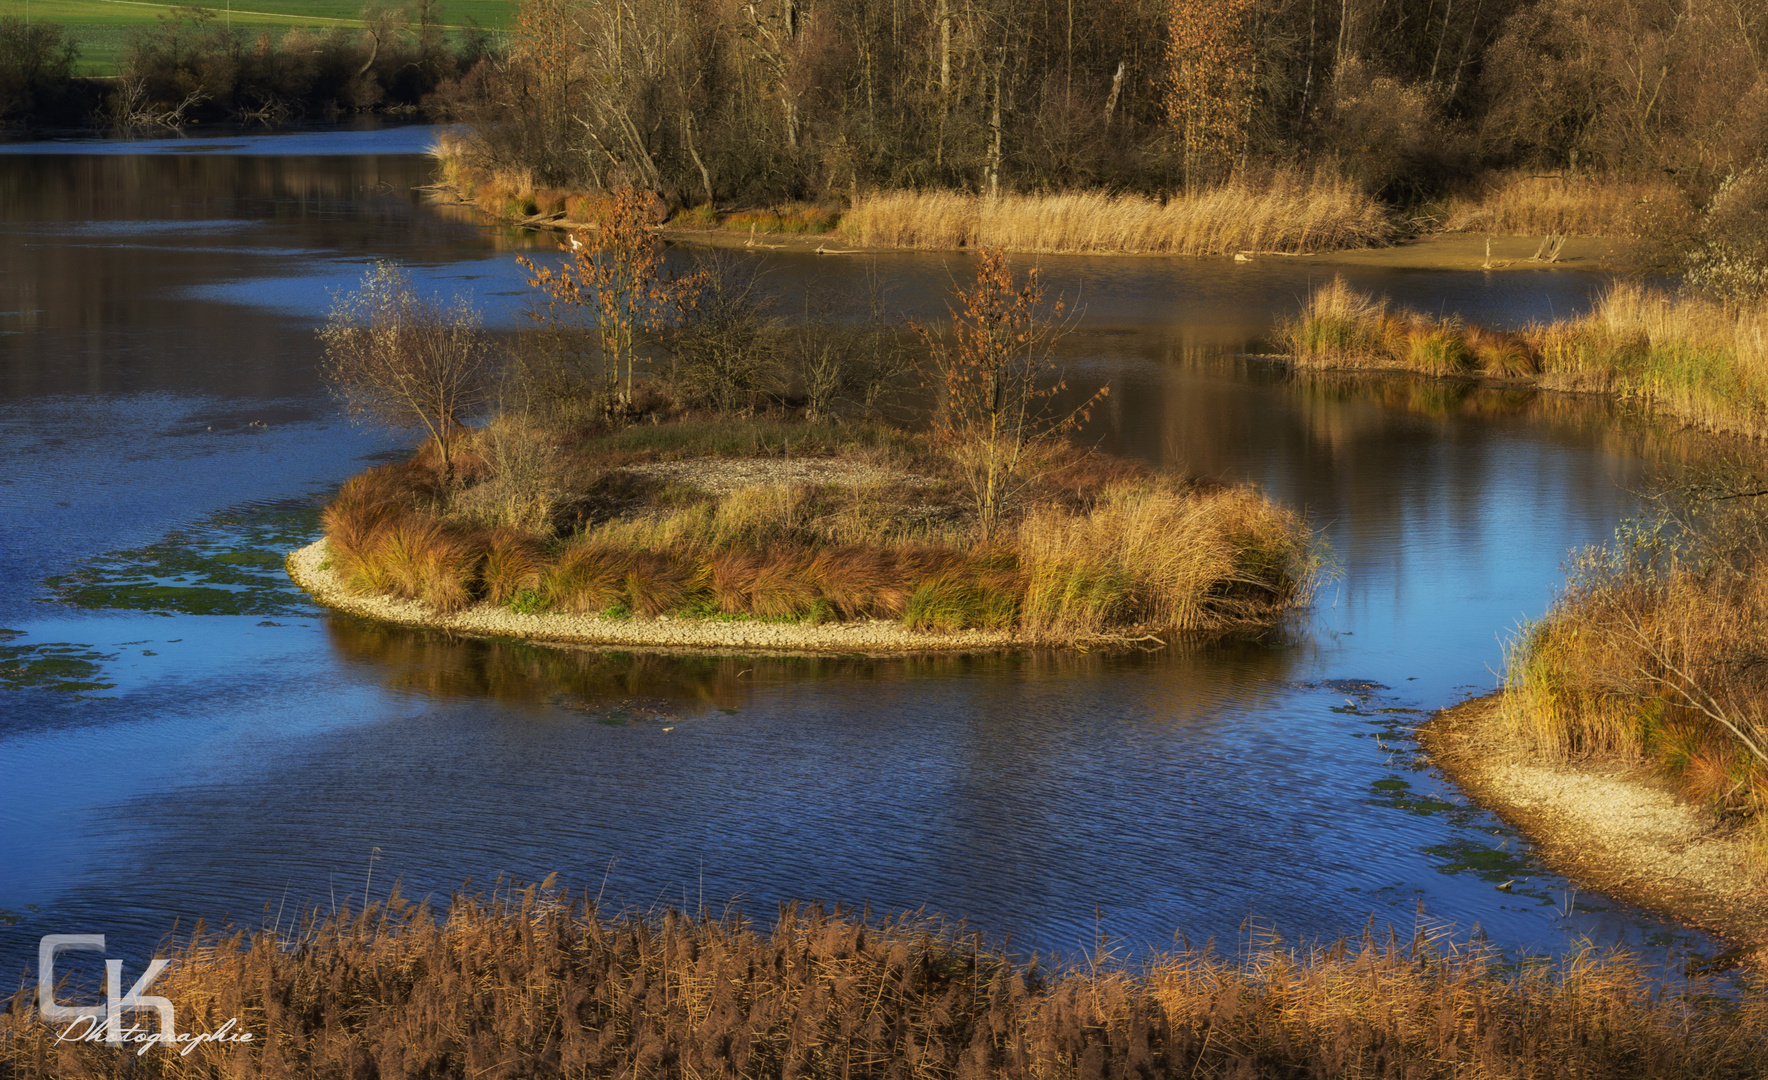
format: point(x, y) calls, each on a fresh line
point(738, 479)
point(1656, 652)
point(536, 983)
point(1701, 360)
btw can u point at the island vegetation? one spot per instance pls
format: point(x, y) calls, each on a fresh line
point(665, 447)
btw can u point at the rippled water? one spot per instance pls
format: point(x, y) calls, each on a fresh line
point(163, 436)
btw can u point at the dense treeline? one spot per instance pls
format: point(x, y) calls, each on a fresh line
point(191, 66)
point(718, 100)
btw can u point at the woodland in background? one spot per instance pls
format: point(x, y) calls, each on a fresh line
point(718, 101)
point(731, 104)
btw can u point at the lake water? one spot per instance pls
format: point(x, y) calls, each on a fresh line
point(183, 735)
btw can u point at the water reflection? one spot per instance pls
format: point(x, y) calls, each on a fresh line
point(438, 665)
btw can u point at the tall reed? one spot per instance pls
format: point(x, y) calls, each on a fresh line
point(1696, 359)
point(535, 984)
point(1286, 213)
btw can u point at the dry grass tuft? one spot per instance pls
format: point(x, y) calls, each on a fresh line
point(860, 582)
point(588, 577)
point(514, 561)
point(535, 984)
point(1242, 561)
point(1286, 213)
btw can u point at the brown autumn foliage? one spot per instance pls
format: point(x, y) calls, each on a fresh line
point(1209, 85)
point(1142, 104)
point(533, 983)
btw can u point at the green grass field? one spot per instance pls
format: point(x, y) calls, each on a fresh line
point(102, 26)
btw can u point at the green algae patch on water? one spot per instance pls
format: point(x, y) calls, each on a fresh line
point(228, 564)
point(60, 666)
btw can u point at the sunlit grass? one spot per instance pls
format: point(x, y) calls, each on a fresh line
point(1285, 213)
point(1531, 204)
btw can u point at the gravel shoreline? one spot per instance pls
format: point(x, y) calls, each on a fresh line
point(1609, 828)
point(662, 633)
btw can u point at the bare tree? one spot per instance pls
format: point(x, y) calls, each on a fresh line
point(397, 359)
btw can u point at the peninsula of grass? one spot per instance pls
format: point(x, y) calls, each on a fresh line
point(1652, 657)
point(1700, 361)
point(786, 521)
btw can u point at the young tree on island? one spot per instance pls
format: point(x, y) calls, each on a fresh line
point(997, 380)
point(394, 358)
point(617, 278)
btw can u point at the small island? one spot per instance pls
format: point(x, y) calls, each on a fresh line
point(673, 466)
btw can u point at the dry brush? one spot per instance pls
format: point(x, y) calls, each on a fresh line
point(534, 983)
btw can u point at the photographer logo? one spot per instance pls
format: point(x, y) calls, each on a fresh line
point(96, 1023)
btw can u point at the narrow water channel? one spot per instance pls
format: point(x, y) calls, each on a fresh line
point(183, 735)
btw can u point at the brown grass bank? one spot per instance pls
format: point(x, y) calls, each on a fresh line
point(536, 984)
point(789, 522)
point(1609, 821)
point(1699, 361)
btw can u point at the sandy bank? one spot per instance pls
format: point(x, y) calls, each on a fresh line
point(1608, 827)
point(485, 620)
